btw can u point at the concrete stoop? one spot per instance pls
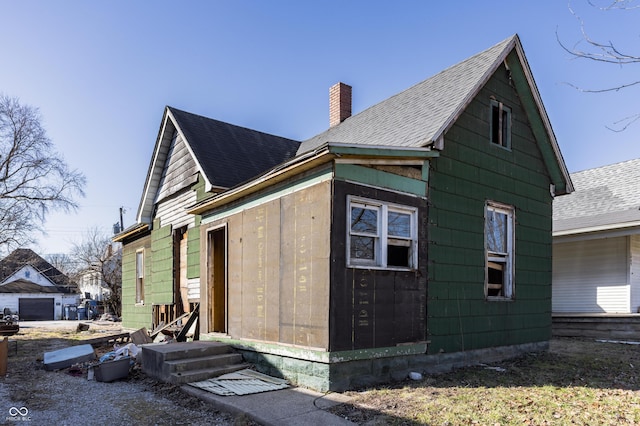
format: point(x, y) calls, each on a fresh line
point(189, 361)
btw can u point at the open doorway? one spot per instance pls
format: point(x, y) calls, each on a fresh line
point(217, 280)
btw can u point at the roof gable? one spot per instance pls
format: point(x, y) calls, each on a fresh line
point(225, 155)
point(605, 198)
point(422, 114)
point(20, 258)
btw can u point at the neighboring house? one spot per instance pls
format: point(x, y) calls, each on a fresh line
point(415, 235)
point(91, 280)
point(32, 287)
point(596, 242)
point(91, 285)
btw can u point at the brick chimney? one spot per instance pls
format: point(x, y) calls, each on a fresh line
point(339, 103)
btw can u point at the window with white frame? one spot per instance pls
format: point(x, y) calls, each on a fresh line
point(381, 234)
point(500, 124)
point(140, 276)
point(499, 241)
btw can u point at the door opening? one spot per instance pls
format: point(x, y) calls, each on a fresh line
point(217, 281)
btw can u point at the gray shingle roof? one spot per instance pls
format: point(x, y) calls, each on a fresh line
point(605, 196)
point(24, 286)
point(416, 116)
point(229, 154)
point(21, 257)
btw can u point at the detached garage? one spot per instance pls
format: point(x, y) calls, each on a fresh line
point(31, 301)
point(36, 309)
point(33, 288)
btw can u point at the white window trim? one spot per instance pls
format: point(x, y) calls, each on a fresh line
point(507, 258)
point(140, 301)
point(380, 255)
point(503, 143)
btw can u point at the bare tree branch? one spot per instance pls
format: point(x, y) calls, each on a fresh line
point(34, 179)
point(98, 256)
point(603, 52)
point(616, 4)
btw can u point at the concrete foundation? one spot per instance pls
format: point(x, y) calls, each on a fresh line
point(341, 371)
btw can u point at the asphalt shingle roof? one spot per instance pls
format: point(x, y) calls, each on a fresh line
point(607, 195)
point(24, 286)
point(230, 154)
point(21, 257)
point(414, 117)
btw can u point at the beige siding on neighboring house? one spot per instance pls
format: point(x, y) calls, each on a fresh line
point(591, 276)
point(634, 272)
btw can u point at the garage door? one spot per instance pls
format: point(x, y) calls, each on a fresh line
point(39, 309)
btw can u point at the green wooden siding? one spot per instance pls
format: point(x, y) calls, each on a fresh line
point(469, 172)
point(135, 315)
point(193, 250)
point(370, 176)
point(161, 265)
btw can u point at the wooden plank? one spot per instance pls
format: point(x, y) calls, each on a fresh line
point(193, 317)
point(111, 339)
point(158, 330)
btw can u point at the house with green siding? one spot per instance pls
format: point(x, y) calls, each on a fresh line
point(412, 236)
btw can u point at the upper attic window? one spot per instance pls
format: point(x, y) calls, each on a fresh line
point(500, 124)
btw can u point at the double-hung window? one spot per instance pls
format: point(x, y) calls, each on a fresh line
point(140, 276)
point(499, 241)
point(500, 124)
point(381, 235)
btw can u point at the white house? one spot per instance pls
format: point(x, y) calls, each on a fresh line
point(596, 242)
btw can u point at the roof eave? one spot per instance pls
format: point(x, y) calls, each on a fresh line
point(321, 155)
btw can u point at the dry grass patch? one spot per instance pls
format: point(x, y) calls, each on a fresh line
point(576, 382)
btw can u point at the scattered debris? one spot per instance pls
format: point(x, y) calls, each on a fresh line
point(109, 371)
point(415, 376)
point(110, 339)
point(109, 317)
point(63, 358)
point(82, 327)
point(498, 369)
point(9, 327)
point(624, 342)
point(141, 337)
point(176, 330)
point(243, 382)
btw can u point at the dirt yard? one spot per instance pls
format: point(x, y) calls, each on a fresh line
point(580, 382)
point(66, 397)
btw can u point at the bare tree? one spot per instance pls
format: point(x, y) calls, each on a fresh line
point(605, 52)
point(34, 179)
point(96, 255)
point(63, 263)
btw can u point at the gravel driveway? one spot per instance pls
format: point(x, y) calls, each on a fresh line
point(28, 392)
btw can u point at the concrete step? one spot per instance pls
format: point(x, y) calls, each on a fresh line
point(189, 361)
point(204, 374)
point(213, 361)
point(182, 350)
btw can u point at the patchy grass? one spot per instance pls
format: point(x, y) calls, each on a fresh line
point(576, 382)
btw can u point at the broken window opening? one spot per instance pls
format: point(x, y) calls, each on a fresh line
point(500, 124)
point(381, 235)
point(499, 250)
point(140, 276)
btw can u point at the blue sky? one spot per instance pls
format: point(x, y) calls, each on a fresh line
point(102, 72)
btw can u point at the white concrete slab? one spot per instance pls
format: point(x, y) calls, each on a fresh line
point(63, 358)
